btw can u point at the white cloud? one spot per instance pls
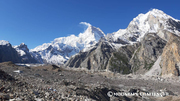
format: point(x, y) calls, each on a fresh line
point(85, 23)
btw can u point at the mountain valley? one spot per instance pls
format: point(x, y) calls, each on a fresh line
point(144, 58)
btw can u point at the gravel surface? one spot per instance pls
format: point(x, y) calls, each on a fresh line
point(53, 83)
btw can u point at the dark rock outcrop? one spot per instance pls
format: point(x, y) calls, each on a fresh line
point(136, 58)
point(26, 57)
point(8, 53)
point(119, 61)
point(147, 53)
point(17, 54)
point(5, 76)
point(139, 57)
point(174, 24)
point(95, 59)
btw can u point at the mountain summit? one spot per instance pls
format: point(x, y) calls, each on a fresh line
point(61, 49)
point(149, 45)
point(132, 50)
point(151, 22)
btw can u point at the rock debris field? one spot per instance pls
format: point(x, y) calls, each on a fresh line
point(53, 83)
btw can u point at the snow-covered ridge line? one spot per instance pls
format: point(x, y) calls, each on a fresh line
point(3, 42)
point(61, 49)
point(151, 22)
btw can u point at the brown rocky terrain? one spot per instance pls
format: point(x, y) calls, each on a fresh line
point(42, 83)
point(150, 42)
point(170, 61)
point(139, 63)
point(147, 53)
point(137, 58)
point(95, 59)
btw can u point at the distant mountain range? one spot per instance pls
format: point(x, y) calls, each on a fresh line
point(149, 45)
point(16, 54)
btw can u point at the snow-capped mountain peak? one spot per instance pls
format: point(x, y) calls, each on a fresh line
point(61, 49)
point(3, 42)
point(91, 30)
point(41, 47)
point(23, 46)
point(144, 22)
point(160, 14)
point(151, 22)
point(22, 49)
point(91, 36)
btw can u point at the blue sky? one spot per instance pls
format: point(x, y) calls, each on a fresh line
point(35, 22)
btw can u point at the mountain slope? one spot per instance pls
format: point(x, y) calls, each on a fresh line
point(95, 59)
point(24, 54)
point(149, 43)
point(61, 49)
point(7, 52)
point(136, 48)
point(154, 21)
point(170, 59)
point(16, 54)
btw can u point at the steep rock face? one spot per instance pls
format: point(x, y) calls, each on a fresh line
point(175, 25)
point(154, 21)
point(76, 60)
point(170, 26)
point(95, 59)
point(170, 61)
point(99, 58)
point(147, 53)
point(138, 47)
point(119, 61)
point(139, 57)
point(8, 53)
point(24, 54)
point(61, 49)
point(16, 54)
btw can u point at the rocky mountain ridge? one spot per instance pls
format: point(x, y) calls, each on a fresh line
point(16, 54)
point(61, 49)
point(135, 49)
point(154, 21)
point(7, 52)
point(141, 44)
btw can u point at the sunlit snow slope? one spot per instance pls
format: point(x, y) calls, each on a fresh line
point(61, 49)
point(151, 22)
